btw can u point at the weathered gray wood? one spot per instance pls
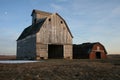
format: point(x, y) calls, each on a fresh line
point(53, 31)
point(26, 48)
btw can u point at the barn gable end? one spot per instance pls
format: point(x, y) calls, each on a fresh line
point(54, 31)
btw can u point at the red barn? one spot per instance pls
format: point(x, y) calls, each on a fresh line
point(89, 51)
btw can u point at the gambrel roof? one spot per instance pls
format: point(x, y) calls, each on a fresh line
point(86, 48)
point(34, 28)
point(65, 24)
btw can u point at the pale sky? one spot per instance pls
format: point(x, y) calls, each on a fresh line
point(88, 20)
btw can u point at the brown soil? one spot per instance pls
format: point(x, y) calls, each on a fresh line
point(58, 69)
point(7, 57)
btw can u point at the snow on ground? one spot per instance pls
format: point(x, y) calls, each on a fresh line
point(18, 61)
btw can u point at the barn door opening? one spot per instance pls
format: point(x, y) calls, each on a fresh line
point(98, 55)
point(55, 51)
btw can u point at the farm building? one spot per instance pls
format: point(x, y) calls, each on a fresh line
point(89, 51)
point(47, 37)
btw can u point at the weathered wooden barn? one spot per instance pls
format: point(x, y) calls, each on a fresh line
point(47, 37)
point(89, 51)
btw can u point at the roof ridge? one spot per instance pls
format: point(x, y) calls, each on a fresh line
point(31, 29)
point(40, 11)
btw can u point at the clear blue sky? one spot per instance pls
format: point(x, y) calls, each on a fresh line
point(88, 20)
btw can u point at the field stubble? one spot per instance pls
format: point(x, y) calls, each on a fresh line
point(59, 69)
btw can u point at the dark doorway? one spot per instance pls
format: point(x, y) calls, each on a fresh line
point(98, 55)
point(55, 51)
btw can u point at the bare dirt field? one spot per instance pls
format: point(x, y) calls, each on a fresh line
point(7, 57)
point(60, 69)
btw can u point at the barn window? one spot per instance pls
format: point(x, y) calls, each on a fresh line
point(61, 22)
point(49, 19)
point(98, 48)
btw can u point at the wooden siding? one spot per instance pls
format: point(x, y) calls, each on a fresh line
point(39, 15)
point(95, 49)
point(68, 51)
point(42, 15)
point(41, 51)
point(54, 31)
point(26, 48)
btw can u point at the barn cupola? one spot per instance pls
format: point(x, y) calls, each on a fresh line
point(37, 15)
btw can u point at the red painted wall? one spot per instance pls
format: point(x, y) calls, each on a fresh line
point(103, 54)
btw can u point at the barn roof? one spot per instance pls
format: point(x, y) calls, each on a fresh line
point(65, 24)
point(31, 29)
point(34, 28)
point(86, 48)
point(39, 12)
